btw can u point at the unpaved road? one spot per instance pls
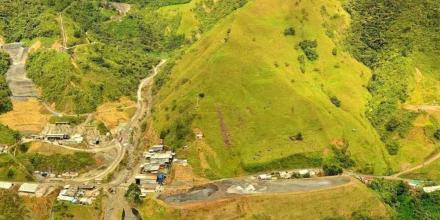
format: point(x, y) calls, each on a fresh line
point(425, 163)
point(425, 108)
point(144, 101)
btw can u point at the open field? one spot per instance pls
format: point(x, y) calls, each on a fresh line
point(337, 202)
point(242, 85)
point(26, 116)
point(113, 113)
point(47, 149)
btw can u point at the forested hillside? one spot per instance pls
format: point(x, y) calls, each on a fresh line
point(85, 52)
point(399, 41)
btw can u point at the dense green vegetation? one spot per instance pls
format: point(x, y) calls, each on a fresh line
point(393, 38)
point(408, 204)
point(105, 58)
point(133, 193)
point(155, 3)
point(209, 12)
point(8, 136)
point(5, 100)
point(57, 163)
point(291, 162)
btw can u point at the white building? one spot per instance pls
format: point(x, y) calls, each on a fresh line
point(28, 189)
point(156, 148)
point(5, 185)
point(430, 189)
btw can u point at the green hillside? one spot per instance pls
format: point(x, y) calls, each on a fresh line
point(265, 96)
point(399, 41)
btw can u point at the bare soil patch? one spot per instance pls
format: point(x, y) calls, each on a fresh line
point(26, 116)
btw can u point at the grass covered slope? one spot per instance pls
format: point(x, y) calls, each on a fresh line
point(249, 88)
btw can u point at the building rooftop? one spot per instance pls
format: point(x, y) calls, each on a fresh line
point(5, 185)
point(28, 187)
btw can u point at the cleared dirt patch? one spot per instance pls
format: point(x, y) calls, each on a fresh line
point(27, 116)
point(114, 113)
point(47, 149)
point(198, 193)
point(21, 86)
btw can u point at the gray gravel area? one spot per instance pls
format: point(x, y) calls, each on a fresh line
point(21, 86)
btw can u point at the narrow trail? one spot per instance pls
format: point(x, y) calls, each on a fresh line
point(424, 107)
point(425, 163)
point(63, 32)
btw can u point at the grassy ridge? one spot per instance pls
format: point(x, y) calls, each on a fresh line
point(242, 85)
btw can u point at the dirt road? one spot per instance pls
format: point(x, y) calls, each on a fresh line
point(117, 201)
point(425, 108)
point(425, 163)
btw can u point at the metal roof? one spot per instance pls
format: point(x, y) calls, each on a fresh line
point(28, 187)
point(5, 185)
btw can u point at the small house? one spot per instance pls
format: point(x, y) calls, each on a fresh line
point(28, 189)
point(264, 177)
point(156, 148)
point(430, 189)
point(5, 185)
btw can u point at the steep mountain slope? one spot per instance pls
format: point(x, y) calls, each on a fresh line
point(399, 41)
point(261, 99)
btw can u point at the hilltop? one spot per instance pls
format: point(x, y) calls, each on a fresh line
point(260, 99)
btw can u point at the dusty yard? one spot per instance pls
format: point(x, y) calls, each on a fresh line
point(47, 149)
point(27, 116)
point(113, 113)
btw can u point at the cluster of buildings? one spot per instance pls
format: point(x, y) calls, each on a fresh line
point(29, 189)
point(157, 159)
point(82, 194)
point(45, 174)
point(153, 171)
point(64, 133)
point(291, 174)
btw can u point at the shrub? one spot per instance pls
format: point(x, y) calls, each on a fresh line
point(133, 193)
point(11, 173)
point(334, 51)
point(309, 49)
point(102, 128)
point(335, 101)
point(437, 134)
point(392, 147)
point(332, 169)
point(343, 156)
point(392, 124)
point(290, 31)
point(297, 137)
point(23, 147)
